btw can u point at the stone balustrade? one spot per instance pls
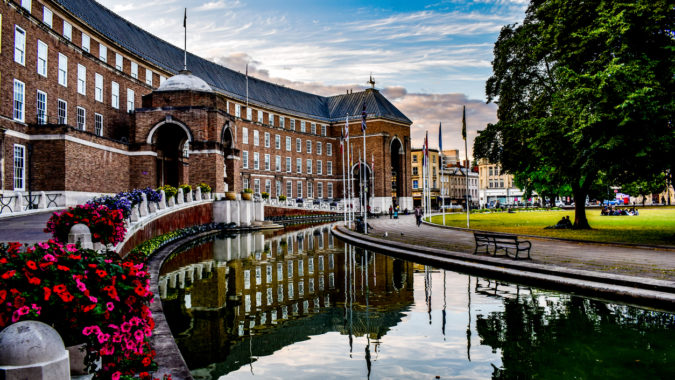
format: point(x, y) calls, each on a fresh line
point(22, 203)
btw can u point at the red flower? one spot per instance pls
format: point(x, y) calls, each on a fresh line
point(48, 292)
point(3, 295)
point(147, 361)
point(60, 288)
point(101, 273)
point(45, 264)
point(63, 268)
point(31, 264)
point(65, 296)
point(88, 307)
point(9, 274)
point(34, 281)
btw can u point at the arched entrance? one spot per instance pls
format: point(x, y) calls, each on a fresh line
point(359, 172)
point(397, 173)
point(227, 142)
point(171, 142)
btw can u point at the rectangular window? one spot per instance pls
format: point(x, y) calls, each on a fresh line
point(19, 100)
point(288, 164)
point(41, 107)
point(256, 138)
point(67, 31)
point(267, 162)
point(267, 139)
point(86, 41)
point(47, 16)
point(63, 70)
point(288, 143)
point(310, 190)
point(277, 142)
point(415, 170)
point(270, 119)
point(244, 135)
point(303, 126)
point(299, 195)
point(298, 165)
point(277, 163)
point(415, 184)
point(309, 146)
point(313, 128)
point(319, 167)
point(42, 58)
point(245, 183)
point(268, 186)
point(98, 87)
point(330, 190)
point(292, 124)
point(260, 116)
point(323, 130)
point(148, 77)
point(119, 61)
point(81, 79)
point(81, 118)
point(62, 112)
point(329, 167)
point(256, 160)
point(318, 148)
point(329, 149)
point(102, 53)
point(162, 79)
point(289, 189)
point(98, 124)
point(309, 166)
point(298, 145)
point(414, 158)
point(244, 159)
point(282, 122)
point(19, 45)
point(115, 97)
point(19, 167)
point(249, 113)
point(319, 189)
point(237, 110)
point(256, 186)
point(134, 70)
point(130, 100)
point(278, 188)
point(26, 4)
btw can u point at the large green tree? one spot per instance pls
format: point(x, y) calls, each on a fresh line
point(584, 89)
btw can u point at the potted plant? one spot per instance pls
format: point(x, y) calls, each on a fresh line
point(204, 188)
point(265, 195)
point(282, 197)
point(186, 190)
point(247, 194)
point(169, 191)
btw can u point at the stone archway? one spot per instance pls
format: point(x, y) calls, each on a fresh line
point(229, 152)
point(397, 153)
point(171, 142)
point(358, 172)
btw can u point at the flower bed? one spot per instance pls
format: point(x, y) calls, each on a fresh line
point(106, 225)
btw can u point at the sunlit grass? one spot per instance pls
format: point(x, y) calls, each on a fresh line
point(652, 226)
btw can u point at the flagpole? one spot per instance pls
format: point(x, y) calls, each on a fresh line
point(365, 199)
point(442, 166)
point(344, 190)
point(372, 176)
point(466, 156)
point(185, 40)
point(351, 184)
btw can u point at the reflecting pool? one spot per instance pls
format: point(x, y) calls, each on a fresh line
point(301, 304)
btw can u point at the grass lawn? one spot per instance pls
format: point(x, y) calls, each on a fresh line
point(652, 226)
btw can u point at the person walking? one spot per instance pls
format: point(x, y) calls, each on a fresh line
point(390, 211)
point(418, 215)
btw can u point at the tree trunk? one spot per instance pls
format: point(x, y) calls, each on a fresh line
point(580, 220)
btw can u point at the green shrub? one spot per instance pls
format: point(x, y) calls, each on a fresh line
point(265, 195)
point(204, 188)
point(169, 191)
point(247, 190)
point(186, 188)
point(282, 197)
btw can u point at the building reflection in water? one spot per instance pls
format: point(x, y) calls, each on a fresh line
point(231, 299)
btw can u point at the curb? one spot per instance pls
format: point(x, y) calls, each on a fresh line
point(629, 289)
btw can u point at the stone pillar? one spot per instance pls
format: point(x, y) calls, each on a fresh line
point(234, 211)
point(188, 198)
point(144, 205)
point(180, 197)
point(259, 211)
point(32, 350)
point(162, 200)
point(80, 233)
point(245, 216)
point(42, 203)
point(198, 194)
point(221, 212)
point(18, 202)
point(172, 202)
point(134, 214)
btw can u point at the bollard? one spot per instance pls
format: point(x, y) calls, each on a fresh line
point(162, 200)
point(80, 233)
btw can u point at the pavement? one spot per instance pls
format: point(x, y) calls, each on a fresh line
point(25, 229)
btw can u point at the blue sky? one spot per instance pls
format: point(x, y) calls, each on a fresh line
point(428, 57)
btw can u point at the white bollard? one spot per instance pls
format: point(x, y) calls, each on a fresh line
point(162, 200)
point(80, 233)
point(33, 350)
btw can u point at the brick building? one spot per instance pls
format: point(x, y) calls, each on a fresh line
point(94, 104)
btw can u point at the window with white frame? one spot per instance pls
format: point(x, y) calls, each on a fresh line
point(47, 16)
point(268, 186)
point(330, 189)
point(323, 129)
point(309, 166)
point(277, 163)
point(282, 122)
point(26, 4)
point(292, 124)
point(63, 70)
point(329, 149)
point(256, 137)
point(289, 189)
point(41, 107)
point(19, 167)
point(270, 119)
point(256, 160)
point(277, 142)
point(288, 143)
point(245, 183)
point(318, 148)
point(134, 70)
point(19, 45)
point(81, 118)
point(42, 51)
point(98, 87)
point(67, 31)
point(298, 145)
point(119, 61)
point(319, 167)
point(303, 126)
point(298, 165)
point(299, 192)
point(310, 190)
point(62, 112)
point(278, 188)
point(249, 113)
point(102, 52)
point(130, 100)
point(288, 164)
point(86, 41)
point(148, 77)
point(237, 110)
point(309, 146)
point(244, 135)
point(267, 161)
point(19, 100)
point(329, 167)
point(98, 124)
point(256, 186)
point(319, 189)
point(259, 114)
point(81, 79)
point(244, 159)
point(267, 139)
point(115, 95)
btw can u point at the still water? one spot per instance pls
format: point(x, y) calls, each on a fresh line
point(303, 305)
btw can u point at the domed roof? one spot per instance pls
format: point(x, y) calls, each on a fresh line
point(184, 81)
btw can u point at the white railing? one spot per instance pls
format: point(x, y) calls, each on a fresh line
point(22, 203)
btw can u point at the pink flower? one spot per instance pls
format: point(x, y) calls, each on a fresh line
point(110, 306)
point(138, 334)
point(91, 330)
point(49, 257)
point(126, 327)
point(43, 245)
point(116, 375)
point(130, 344)
point(102, 338)
point(37, 308)
point(117, 338)
point(93, 299)
point(71, 248)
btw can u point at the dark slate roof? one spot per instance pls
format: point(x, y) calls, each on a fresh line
point(224, 80)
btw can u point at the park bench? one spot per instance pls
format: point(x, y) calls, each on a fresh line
point(499, 242)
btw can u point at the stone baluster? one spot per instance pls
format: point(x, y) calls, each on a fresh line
point(134, 214)
point(18, 202)
point(180, 197)
point(198, 194)
point(42, 202)
point(80, 233)
point(162, 200)
point(143, 207)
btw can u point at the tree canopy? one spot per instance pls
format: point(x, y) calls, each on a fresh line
point(584, 90)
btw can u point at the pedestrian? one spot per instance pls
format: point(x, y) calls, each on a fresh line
point(390, 211)
point(418, 215)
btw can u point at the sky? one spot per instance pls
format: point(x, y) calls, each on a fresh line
point(429, 58)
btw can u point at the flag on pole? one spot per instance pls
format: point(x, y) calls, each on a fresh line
point(424, 150)
point(464, 123)
point(440, 138)
point(342, 142)
point(363, 118)
point(185, 19)
point(346, 131)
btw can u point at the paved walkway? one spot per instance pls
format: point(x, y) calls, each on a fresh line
point(25, 229)
point(643, 262)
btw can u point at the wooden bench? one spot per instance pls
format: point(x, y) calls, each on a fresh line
point(502, 242)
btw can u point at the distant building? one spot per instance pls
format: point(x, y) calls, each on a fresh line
point(453, 186)
point(417, 179)
point(494, 186)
